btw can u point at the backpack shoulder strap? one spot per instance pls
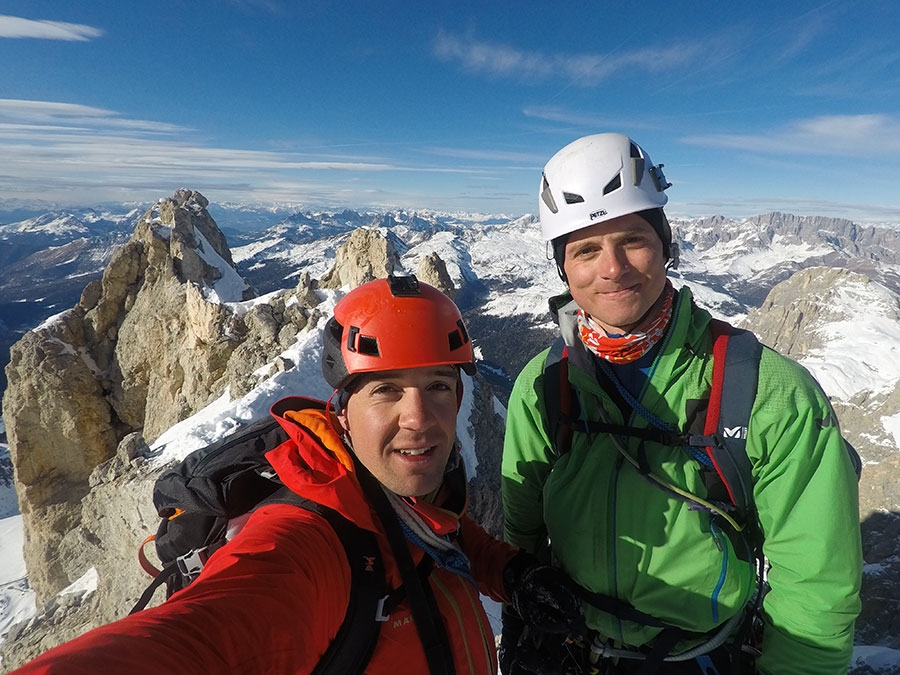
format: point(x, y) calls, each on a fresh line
point(558, 398)
point(353, 645)
point(736, 356)
point(427, 617)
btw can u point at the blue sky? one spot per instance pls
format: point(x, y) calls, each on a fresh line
point(752, 107)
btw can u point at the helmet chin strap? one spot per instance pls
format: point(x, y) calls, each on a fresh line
point(333, 420)
point(556, 250)
point(674, 256)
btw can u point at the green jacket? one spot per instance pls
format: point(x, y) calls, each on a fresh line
point(616, 534)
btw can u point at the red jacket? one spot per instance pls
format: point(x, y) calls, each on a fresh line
point(272, 599)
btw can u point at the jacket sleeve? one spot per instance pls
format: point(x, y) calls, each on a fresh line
point(806, 494)
point(270, 601)
point(525, 463)
point(488, 558)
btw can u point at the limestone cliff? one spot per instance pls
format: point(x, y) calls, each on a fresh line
point(366, 255)
point(143, 349)
point(800, 318)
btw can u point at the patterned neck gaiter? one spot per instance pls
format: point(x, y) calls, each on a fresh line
point(631, 346)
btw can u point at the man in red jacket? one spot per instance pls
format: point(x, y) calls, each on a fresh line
point(272, 599)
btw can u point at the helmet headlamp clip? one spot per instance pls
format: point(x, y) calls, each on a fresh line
point(659, 178)
point(403, 286)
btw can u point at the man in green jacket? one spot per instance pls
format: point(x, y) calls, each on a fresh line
point(672, 584)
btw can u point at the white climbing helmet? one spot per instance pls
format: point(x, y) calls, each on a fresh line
point(598, 178)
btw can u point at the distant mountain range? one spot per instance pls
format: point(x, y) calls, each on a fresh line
point(47, 259)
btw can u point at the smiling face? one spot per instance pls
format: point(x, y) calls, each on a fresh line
point(616, 270)
point(402, 424)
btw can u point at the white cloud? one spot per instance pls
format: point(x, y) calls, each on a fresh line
point(17, 27)
point(54, 151)
point(59, 150)
point(581, 69)
point(842, 135)
point(588, 120)
point(49, 114)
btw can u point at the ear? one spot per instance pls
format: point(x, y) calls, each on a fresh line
point(343, 420)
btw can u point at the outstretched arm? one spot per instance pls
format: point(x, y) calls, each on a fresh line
point(270, 601)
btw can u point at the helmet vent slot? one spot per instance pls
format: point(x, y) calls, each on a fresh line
point(613, 185)
point(454, 339)
point(368, 346)
point(572, 198)
point(457, 338)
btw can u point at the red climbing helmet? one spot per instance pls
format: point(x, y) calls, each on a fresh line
point(393, 323)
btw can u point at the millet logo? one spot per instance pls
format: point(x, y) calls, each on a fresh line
point(597, 214)
point(735, 432)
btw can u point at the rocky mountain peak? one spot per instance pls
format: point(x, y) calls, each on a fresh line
point(181, 231)
point(364, 256)
point(799, 315)
point(433, 270)
point(143, 348)
point(791, 315)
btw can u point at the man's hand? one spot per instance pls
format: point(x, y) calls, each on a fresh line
point(525, 651)
point(544, 597)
